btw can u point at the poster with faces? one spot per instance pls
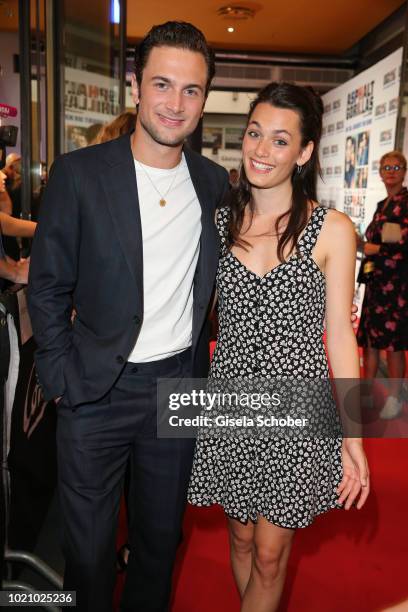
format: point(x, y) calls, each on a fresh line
point(359, 125)
point(89, 99)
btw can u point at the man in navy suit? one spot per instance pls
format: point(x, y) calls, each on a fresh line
point(127, 238)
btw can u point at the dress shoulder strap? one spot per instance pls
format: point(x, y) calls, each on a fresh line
point(312, 230)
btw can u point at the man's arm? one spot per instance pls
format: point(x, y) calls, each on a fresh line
point(16, 227)
point(53, 275)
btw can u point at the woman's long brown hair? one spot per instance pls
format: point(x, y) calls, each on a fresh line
point(308, 105)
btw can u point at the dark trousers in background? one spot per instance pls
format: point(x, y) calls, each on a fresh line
point(94, 442)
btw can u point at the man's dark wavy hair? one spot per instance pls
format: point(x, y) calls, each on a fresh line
point(178, 34)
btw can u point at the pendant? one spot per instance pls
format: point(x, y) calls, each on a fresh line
point(162, 202)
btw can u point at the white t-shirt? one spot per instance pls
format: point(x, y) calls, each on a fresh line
point(171, 244)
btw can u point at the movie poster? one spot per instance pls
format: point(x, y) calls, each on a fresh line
point(90, 99)
point(359, 125)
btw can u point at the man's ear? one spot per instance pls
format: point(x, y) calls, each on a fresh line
point(134, 89)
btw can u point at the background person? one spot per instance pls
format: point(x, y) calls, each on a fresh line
point(384, 315)
point(123, 124)
point(233, 177)
point(11, 270)
point(13, 186)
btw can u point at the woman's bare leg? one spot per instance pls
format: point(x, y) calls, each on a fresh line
point(272, 545)
point(241, 545)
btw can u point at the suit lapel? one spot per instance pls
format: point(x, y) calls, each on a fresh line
point(119, 181)
point(209, 241)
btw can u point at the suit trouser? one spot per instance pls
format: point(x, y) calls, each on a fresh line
point(94, 443)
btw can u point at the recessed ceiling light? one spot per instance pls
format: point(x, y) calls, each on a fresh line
point(237, 12)
point(230, 29)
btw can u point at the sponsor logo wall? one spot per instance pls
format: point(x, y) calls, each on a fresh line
point(359, 125)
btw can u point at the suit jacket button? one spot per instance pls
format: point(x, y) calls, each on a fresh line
point(119, 359)
point(136, 319)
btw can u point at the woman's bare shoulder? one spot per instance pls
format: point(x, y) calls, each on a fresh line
point(338, 230)
point(339, 220)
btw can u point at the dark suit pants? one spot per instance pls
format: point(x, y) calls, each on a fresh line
point(94, 443)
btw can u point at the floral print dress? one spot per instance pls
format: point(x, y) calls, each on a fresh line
point(270, 327)
point(384, 318)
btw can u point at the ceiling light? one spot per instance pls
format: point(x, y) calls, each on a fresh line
point(234, 11)
point(230, 29)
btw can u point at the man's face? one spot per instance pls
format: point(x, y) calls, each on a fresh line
point(171, 96)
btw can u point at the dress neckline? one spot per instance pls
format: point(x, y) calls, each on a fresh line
point(293, 256)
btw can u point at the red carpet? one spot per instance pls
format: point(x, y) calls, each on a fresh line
point(345, 562)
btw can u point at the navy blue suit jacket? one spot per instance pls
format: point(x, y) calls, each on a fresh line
point(87, 254)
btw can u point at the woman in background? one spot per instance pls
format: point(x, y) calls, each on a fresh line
point(11, 270)
point(123, 124)
point(384, 317)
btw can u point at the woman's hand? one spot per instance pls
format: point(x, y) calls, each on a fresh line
point(371, 249)
point(356, 478)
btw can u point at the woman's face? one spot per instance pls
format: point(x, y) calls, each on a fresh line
point(2, 181)
point(392, 178)
point(271, 146)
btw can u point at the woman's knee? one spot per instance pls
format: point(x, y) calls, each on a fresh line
point(270, 562)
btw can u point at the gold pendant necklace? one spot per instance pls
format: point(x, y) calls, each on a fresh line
point(162, 201)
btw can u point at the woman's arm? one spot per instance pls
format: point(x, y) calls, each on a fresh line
point(6, 205)
point(340, 261)
point(340, 257)
point(10, 226)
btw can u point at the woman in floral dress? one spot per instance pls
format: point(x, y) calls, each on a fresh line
point(384, 319)
point(286, 265)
